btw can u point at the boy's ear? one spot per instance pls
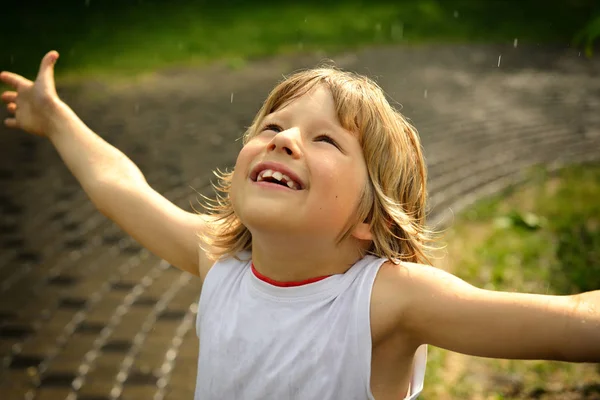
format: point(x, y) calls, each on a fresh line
point(362, 231)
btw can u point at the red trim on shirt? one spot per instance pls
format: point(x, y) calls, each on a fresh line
point(286, 284)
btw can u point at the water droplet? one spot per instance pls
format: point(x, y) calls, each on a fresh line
point(116, 392)
point(87, 3)
point(121, 376)
point(499, 59)
point(231, 97)
point(378, 27)
point(166, 368)
point(455, 14)
point(77, 383)
point(515, 43)
point(12, 59)
point(305, 20)
point(425, 94)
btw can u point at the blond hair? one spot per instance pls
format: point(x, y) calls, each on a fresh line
point(394, 198)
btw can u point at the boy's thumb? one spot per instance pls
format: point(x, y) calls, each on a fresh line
point(46, 72)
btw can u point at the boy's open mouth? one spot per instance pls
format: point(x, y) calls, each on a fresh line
point(276, 173)
point(268, 175)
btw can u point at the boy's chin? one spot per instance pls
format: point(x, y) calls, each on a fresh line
point(280, 219)
point(267, 222)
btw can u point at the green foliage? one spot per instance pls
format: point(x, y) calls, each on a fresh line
point(527, 220)
point(544, 238)
point(132, 36)
point(578, 252)
point(540, 237)
point(587, 36)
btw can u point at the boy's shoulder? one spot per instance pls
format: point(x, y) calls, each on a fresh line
point(395, 289)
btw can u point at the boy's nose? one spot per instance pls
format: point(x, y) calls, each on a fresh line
point(286, 141)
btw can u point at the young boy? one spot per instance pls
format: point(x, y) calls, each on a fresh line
point(313, 257)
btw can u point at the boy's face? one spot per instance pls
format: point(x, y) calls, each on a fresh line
point(306, 142)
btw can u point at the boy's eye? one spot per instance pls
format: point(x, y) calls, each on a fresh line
point(272, 127)
point(321, 138)
point(328, 139)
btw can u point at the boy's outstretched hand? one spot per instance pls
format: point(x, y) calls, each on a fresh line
point(32, 103)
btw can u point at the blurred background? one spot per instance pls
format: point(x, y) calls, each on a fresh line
point(506, 98)
point(132, 36)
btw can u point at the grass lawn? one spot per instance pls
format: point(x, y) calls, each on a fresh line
point(543, 237)
point(111, 37)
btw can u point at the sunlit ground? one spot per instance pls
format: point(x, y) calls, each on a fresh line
point(543, 237)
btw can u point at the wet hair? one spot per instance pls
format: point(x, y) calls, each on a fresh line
point(393, 200)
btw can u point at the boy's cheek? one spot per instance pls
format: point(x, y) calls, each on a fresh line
point(235, 184)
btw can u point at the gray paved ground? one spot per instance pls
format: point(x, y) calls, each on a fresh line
point(86, 313)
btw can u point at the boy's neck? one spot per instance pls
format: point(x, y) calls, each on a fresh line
point(287, 262)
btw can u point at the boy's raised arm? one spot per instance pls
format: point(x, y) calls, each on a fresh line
point(437, 308)
point(112, 181)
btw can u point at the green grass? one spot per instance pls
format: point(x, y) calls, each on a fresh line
point(549, 233)
point(542, 237)
point(589, 35)
point(129, 37)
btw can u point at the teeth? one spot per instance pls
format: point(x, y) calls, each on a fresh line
point(268, 173)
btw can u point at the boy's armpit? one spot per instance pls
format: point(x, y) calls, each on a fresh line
point(437, 308)
point(205, 262)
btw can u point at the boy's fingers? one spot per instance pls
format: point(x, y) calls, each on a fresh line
point(12, 107)
point(11, 122)
point(46, 72)
point(13, 80)
point(9, 97)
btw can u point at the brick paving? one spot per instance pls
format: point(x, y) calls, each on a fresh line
point(86, 313)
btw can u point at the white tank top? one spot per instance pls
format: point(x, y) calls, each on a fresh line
point(309, 342)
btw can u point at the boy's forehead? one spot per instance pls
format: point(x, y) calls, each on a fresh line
point(317, 103)
point(295, 115)
point(318, 98)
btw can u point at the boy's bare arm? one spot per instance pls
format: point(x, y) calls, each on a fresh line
point(119, 190)
point(437, 308)
point(112, 181)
